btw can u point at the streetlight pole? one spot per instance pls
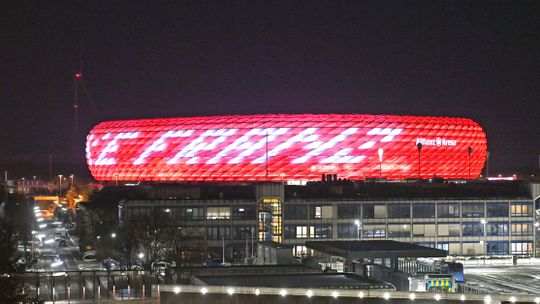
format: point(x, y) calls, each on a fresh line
point(469, 151)
point(380, 151)
point(223, 249)
point(419, 147)
point(535, 234)
point(484, 222)
point(72, 176)
point(251, 232)
point(60, 185)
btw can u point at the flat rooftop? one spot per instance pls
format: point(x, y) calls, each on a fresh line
point(313, 280)
point(374, 249)
point(344, 189)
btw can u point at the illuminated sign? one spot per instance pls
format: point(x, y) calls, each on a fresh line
point(284, 147)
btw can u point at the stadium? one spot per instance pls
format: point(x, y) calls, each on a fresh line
point(286, 148)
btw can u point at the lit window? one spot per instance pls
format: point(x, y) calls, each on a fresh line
point(218, 213)
point(318, 212)
point(301, 232)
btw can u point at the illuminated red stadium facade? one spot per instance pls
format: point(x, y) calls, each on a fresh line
point(285, 147)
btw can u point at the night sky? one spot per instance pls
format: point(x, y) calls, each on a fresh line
point(472, 59)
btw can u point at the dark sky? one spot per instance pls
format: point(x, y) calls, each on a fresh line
point(472, 59)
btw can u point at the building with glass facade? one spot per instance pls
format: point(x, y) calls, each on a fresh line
point(464, 219)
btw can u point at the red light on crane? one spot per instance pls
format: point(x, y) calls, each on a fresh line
point(78, 76)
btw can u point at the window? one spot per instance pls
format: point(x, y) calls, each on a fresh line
point(497, 209)
point(374, 231)
point(219, 232)
point(322, 212)
point(243, 212)
point(472, 229)
point(454, 248)
point(374, 211)
point(497, 229)
point(295, 212)
point(497, 247)
point(522, 229)
point(289, 231)
point(300, 250)
point(450, 229)
point(193, 213)
point(473, 209)
point(423, 210)
point(318, 212)
point(521, 209)
point(218, 213)
point(194, 232)
point(445, 210)
point(323, 231)
point(424, 230)
point(474, 248)
point(301, 232)
point(347, 231)
point(426, 244)
point(399, 210)
point(243, 232)
point(348, 211)
point(399, 231)
point(442, 246)
point(521, 248)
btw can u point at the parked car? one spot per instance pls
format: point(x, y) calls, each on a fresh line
point(133, 267)
point(212, 262)
point(62, 243)
point(89, 256)
point(111, 264)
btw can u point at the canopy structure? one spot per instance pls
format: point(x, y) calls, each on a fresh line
point(354, 250)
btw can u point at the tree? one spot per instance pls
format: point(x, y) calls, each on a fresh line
point(8, 246)
point(15, 227)
point(12, 291)
point(75, 195)
point(140, 235)
point(71, 197)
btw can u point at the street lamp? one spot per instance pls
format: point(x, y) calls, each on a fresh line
point(358, 227)
point(535, 234)
point(113, 235)
point(469, 151)
point(380, 151)
point(60, 185)
point(419, 147)
point(72, 176)
point(484, 222)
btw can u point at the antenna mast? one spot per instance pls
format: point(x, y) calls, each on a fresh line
point(77, 79)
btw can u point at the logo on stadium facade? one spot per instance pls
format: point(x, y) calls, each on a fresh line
point(436, 142)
